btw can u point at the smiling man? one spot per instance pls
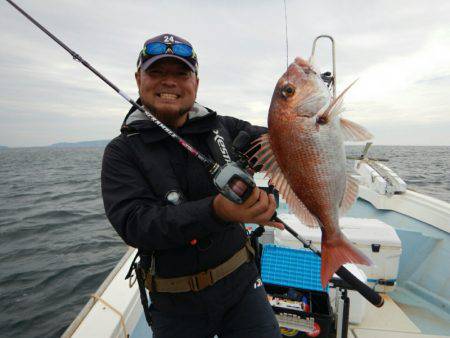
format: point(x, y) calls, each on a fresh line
point(199, 265)
point(168, 82)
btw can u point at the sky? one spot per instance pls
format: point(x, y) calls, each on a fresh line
point(398, 50)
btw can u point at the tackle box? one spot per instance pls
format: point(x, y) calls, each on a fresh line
point(291, 278)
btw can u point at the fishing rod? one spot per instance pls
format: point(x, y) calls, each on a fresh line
point(223, 176)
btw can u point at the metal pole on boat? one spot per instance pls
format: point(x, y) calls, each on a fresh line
point(333, 55)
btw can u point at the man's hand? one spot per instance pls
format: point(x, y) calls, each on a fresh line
point(258, 208)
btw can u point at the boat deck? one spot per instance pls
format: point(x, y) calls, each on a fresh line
point(417, 308)
point(393, 320)
point(388, 322)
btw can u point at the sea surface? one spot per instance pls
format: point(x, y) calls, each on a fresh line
point(57, 245)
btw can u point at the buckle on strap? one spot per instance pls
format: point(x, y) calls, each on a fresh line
point(201, 280)
point(250, 249)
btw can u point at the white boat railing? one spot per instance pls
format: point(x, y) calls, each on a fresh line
point(87, 309)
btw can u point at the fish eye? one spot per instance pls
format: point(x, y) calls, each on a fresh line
point(288, 90)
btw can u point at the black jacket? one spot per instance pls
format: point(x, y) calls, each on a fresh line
point(142, 165)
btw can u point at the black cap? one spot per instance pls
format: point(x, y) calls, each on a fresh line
point(145, 60)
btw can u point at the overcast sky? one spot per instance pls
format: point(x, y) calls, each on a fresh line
point(399, 51)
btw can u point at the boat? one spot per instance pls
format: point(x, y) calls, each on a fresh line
point(417, 303)
point(412, 273)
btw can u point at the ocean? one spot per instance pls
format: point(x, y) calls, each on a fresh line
point(57, 245)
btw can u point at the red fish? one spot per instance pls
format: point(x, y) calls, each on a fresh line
point(304, 156)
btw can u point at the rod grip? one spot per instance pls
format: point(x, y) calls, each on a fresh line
point(369, 294)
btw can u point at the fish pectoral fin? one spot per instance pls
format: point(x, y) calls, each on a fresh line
point(265, 158)
point(335, 107)
point(350, 195)
point(352, 131)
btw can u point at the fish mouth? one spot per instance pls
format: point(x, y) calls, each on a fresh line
point(296, 72)
point(300, 69)
point(304, 65)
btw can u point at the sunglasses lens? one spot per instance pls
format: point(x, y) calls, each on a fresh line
point(155, 48)
point(181, 49)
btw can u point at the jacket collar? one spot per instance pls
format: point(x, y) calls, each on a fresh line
point(200, 120)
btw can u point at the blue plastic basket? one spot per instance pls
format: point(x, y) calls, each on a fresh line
point(291, 267)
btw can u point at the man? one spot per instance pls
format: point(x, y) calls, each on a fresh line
point(160, 199)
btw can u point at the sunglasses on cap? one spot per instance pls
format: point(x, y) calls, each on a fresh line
point(158, 48)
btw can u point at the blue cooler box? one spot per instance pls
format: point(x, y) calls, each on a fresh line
point(292, 281)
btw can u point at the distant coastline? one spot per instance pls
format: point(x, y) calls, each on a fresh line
point(97, 143)
point(104, 143)
point(82, 144)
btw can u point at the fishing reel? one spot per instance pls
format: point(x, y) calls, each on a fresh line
point(241, 170)
point(234, 180)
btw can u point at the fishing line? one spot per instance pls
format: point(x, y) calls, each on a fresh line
point(286, 35)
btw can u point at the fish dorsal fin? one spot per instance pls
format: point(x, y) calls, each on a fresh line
point(335, 107)
point(352, 131)
point(350, 195)
point(264, 157)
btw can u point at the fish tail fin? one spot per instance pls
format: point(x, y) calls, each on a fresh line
point(336, 253)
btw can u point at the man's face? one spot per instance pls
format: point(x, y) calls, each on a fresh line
point(168, 88)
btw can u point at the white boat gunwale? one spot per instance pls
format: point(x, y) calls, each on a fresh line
point(86, 310)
